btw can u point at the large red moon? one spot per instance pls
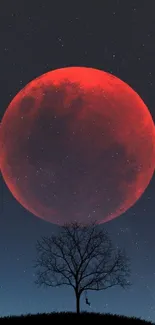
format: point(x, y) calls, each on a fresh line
point(77, 143)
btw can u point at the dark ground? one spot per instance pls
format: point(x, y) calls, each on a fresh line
point(87, 317)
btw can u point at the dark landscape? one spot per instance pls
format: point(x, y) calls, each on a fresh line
point(105, 319)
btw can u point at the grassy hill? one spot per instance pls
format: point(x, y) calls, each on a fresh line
point(105, 319)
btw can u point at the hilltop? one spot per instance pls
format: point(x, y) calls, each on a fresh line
point(105, 319)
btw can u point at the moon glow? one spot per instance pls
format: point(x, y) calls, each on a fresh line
point(77, 144)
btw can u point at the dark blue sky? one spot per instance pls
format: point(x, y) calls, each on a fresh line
point(117, 37)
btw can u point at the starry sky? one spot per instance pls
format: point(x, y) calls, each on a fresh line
point(117, 37)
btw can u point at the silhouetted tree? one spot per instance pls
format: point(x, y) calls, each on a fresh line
point(81, 256)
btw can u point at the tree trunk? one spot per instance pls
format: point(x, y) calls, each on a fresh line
point(77, 303)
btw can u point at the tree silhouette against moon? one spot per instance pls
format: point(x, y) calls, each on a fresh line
point(77, 144)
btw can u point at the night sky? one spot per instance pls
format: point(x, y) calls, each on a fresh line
point(117, 37)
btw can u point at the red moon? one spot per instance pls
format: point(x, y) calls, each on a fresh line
point(77, 144)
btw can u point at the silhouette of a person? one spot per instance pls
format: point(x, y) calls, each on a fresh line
point(87, 302)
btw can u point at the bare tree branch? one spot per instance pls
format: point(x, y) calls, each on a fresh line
point(81, 256)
